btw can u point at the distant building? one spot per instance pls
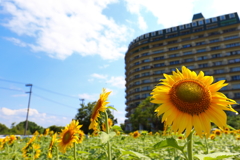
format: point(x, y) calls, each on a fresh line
point(211, 45)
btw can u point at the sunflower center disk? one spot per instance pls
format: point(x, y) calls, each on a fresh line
point(67, 137)
point(190, 96)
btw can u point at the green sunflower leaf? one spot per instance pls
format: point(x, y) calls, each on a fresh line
point(110, 107)
point(169, 142)
point(215, 156)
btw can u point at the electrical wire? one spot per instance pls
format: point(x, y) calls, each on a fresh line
point(53, 101)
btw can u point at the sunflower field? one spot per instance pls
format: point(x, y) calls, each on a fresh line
point(188, 102)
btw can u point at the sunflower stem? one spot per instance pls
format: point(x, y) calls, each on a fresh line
point(57, 153)
point(205, 137)
point(190, 146)
point(75, 156)
point(107, 131)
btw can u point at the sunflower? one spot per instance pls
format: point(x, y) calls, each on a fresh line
point(46, 132)
point(81, 136)
point(212, 136)
point(110, 123)
point(136, 134)
point(37, 151)
point(190, 100)
point(68, 136)
point(28, 147)
point(50, 148)
point(12, 138)
point(217, 132)
point(100, 106)
point(238, 137)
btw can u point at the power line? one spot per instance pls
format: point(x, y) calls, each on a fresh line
point(53, 101)
point(55, 92)
point(5, 80)
point(11, 89)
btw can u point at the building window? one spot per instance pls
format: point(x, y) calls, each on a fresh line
point(174, 29)
point(235, 77)
point(145, 54)
point(145, 88)
point(160, 32)
point(203, 65)
point(232, 15)
point(214, 19)
point(146, 81)
point(215, 48)
point(219, 79)
point(159, 65)
point(231, 37)
point(216, 55)
point(189, 60)
point(174, 62)
point(190, 67)
point(137, 76)
point(187, 45)
point(235, 69)
point(157, 45)
point(137, 69)
point(232, 45)
point(222, 18)
point(201, 50)
point(224, 88)
point(146, 74)
point(158, 58)
point(229, 30)
point(186, 39)
point(218, 71)
point(200, 43)
point(236, 60)
point(137, 89)
point(235, 86)
point(188, 25)
point(159, 72)
point(202, 58)
point(168, 30)
point(185, 32)
point(181, 27)
point(194, 24)
point(145, 95)
point(136, 57)
point(137, 97)
point(136, 63)
point(137, 83)
point(236, 95)
point(200, 22)
point(173, 55)
point(173, 48)
point(147, 35)
point(217, 63)
point(207, 21)
point(172, 35)
point(214, 40)
point(153, 34)
point(158, 51)
point(145, 60)
point(187, 53)
point(233, 53)
point(145, 67)
point(171, 42)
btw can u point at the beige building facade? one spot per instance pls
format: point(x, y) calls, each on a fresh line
point(211, 45)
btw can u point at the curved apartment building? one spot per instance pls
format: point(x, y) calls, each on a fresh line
point(211, 45)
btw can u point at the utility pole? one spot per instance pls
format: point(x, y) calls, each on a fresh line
point(30, 93)
point(82, 101)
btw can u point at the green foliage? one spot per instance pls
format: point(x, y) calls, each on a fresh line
point(3, 129)
point(32, 127)
point(84, 114)
point(234, 121)
point(56, 129)
point(145, 115)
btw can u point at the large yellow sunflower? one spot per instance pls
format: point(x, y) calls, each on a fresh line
point(68, 136)
point(100, 106)
point(191, 100)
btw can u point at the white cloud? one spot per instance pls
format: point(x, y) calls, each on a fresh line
point(61, 28)
point(19, 95)
point(116, 81)
point(104, 66)
point(16, 41)
point(9, 116)
point(142, 23)
point(99, 76)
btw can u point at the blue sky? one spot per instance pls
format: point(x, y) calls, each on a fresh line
point(71, 49)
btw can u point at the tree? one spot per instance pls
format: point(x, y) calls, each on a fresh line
point(32, 127)
point(55, 128)
point(84, 114)
point(3, 129)
point(145, 116)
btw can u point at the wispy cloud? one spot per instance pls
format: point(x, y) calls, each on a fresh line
point(61, 28)
point(115, 81)
point(89, 97)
